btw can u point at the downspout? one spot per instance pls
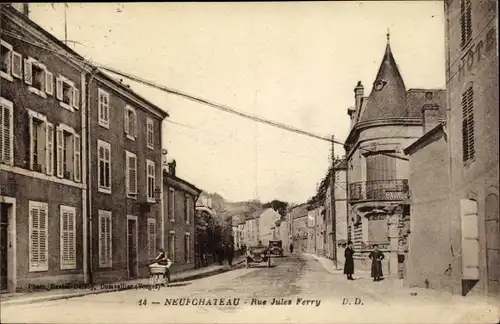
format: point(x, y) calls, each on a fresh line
point(84, 173)
point(88, 166)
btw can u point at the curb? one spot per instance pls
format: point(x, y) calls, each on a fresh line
point(28, 301)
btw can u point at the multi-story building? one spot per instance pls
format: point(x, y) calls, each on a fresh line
point(472, 93)
point(382, 125)
point(252, 229)
point(125, 185)
point(267, 224)
point(43, 188)
point(299, 219)
point(180, 199)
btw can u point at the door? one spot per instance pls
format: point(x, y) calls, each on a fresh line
point(492, 244)
point(132, 248)
point(4, 222)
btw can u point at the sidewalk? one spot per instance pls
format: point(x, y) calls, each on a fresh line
point(49, 295)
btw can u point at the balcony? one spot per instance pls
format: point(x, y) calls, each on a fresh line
point(379, 190)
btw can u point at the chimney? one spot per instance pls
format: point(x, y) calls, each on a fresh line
point(359, 92)
point(22, 8)
point(430, 113)
point(171, 167)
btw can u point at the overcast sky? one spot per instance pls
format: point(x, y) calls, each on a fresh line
point(292, 62)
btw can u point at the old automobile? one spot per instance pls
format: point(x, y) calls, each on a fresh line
point(276, 247)
point(258, 255)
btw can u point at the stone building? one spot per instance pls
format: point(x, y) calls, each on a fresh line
point(267, 225)
point(382, 125)
point(473, 130)
point(298, 220)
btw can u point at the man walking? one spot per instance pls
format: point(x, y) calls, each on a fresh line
point(230, 254)
point(377, 258)
point(291, 248)
point(349, 261)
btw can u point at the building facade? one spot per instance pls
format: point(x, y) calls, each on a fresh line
point(252, 230)
point(341, 219)
point(472, 89)
point(267, 225)
point(42, 196)
point(179, 227)
point(298, 220)
point(382, 125)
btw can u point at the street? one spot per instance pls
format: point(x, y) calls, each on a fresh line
point(306, 292)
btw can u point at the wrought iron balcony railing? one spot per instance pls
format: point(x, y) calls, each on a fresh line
point(379, 190)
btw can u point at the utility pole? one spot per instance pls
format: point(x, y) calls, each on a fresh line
point(332, 205)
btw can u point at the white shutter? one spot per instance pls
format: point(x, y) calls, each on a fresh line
point(38, 239)
point(132, 171)
point(44, 239)
point(126, 121)
point(72, 238)
point(102, 241)
point(151, 238)
point(32, 131)
point(64, 237)
point(28, 72)
point(49, 83)
point(109, 249)
point(133, 131)
point(49, 146)
point(17, 65)
point(150, 136)
point(34, 241)
point(59, 157)
point(77, 157)
point(68, 240)
point(6, 134)
point(470, 239)
point(76, 98)
point(59, 88)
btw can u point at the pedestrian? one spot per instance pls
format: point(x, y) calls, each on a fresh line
point(221, 254)
point(377, 258)
point(291, 248)
point(349, 261)
point(229, 254)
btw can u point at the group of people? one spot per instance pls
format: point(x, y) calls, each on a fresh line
point(376, 256)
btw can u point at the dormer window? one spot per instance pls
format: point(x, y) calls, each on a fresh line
point(379, 85)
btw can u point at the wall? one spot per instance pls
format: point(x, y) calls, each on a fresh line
point(267, 221)
point(429, 220)
point(476, 65)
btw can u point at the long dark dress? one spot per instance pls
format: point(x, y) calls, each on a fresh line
point(376, 257)
point(349, 261)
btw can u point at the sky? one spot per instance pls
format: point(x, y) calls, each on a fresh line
point(296, 63)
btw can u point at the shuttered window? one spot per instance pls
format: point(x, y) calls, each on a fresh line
point(465, 22)
point(104, 167)
point(38, 138)
point(150, 133)
point(150, 166)
point(131, 175)
point(68, 237)
point(151, 238)
point(468, 145)
point(130, 123)
point(38, 236)
point(6, 132)
point(103, 108)
point(105, 239)
point(77, 158)
point(49, 133)
point(380, 167)
point(470, 239)
point(49, 83)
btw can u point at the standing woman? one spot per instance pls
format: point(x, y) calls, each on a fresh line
point(376, 257)
point(349, 261)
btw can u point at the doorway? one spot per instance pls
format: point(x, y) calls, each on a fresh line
point(132, 255)
point(8, 277)
point(492, 244)
point(4, 260)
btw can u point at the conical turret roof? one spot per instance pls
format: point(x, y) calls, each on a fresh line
point(388, 96)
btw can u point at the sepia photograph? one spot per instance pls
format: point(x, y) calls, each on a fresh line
point(250, 162)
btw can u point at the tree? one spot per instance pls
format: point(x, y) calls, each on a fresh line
point(279, 206)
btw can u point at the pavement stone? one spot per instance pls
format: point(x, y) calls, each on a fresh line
point(50, 295)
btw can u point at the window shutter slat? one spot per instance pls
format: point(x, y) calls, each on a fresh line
point(49, 145)
point(77, 157)
point(28, 72)
point(59, 88)
point(59, 157)
point(32, 131)
point(76, 98)
point(126, 122)
point(17, 63)
point(49, 83)
point(7, 135)
point(108, 240)
point(102, 238)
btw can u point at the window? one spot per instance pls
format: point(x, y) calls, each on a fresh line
point(68, 157)
point(38, 142)
point(468, 125)
point(130, 123)
point(150, 166)
point(104, 168)
point(103, 108)
point(131, 175)
point(68, 237)
point(470, 239)
point(150, 132)
point(188, 209)
point(380, 167)
point(187, 248)
point(171, 246)
point(151, 238)
point(105, 239)
point(171, 204)
point(466, 22)
point(35, 76)
point(6, 132)
point(67, 94)
point(38, 236)
point(6, 60)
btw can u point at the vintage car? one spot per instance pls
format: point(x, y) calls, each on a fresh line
point(258, 255)
point(276, 247)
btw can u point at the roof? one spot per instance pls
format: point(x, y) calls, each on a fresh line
point(11, 11)
point(169, 178)
point(390, 100)
point(434, 133)
point(341, 164)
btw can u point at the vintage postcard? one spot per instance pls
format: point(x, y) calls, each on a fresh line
point(249, 162)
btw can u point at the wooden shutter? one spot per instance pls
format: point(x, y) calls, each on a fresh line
point(152, 238)
point(102, 241)
point(59, 88)
point(76, 98)
point(49, 83)
point(49, 146)
point(470, 239)
point(32, 130)
point(109, 242)
point(77, 160)
point(59, 157)
point(6, 134)
point(150, 135)
point(17, 63)
point(38, 242)
point(126, 121)
point(28, 72)
point(68, 233)
point(133, 174)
